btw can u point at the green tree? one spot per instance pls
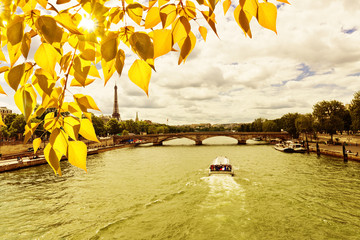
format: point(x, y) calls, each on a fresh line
point(305, 124)
point(270, 126)
point(288, 124)
point(113, 127)
point(355, 112)
point(347, 121)
point(152, 129)
point(99, 125)
point(257, 125)
point(329, 116)
point(17, 127)
point(9, 119)
point(5, 132)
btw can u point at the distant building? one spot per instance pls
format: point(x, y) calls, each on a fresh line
point(116, 113)
point(4, 111)
point(137, 117)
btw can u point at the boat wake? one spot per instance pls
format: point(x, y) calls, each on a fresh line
point(224, 190)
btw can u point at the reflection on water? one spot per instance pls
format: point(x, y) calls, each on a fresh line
point(166, 193)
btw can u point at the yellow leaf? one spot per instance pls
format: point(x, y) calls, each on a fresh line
point(210, 20)
point(152, 18)
point(162, 2)
point(141, 44)
point(109, 47)
point(77, 153)
point(81, 70)
point(53, 158)
point(250, 7)
point(14, 53)
point(36, 144)
point(87, 130)
point(162, 40)
point(74, 109)
point(152, 3)
point(284, 1)
point(108, 69)
point(15, 30)
point(29, 103)
point(2, 56)
point(1, 121)
point(25, 45)
point(49, 121)
point(47, 26)
point(243, 20)
point(62, 1)
point(46, 57)
point(212, 4)
point(45, 81)
point(203, 32)
point(190, 10)
point(88, 53)
point(226, 5)
point(267, 15)
point(186, 47)
point(167, 14)
point(120, 61)
point(135, 11)
point(65, 61)
point(2, 90)
point(43, 3)
point(4, 69)
point(125, 33)
point(67, 22)
point(72, 127)
point(180, 29)
point(94, 72)
point(59, 141)
point(14, 75)
point(140, 74)
point(86, 101)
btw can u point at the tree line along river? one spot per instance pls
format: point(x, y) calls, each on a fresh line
point(166, 193)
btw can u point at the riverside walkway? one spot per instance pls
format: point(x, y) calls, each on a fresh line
point(14, 164)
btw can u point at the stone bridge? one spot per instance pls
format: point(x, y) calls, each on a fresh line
point(199, 137)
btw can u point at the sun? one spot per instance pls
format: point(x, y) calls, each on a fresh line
point(87, 24)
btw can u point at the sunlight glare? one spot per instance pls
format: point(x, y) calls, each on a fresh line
point(88, 24)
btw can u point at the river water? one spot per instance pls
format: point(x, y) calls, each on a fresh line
point(165, 193)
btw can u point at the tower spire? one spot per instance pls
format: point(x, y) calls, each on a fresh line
point(116, 113)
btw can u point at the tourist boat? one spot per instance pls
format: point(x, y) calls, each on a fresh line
point(221, 165)
point(297, 147)
point(283, 148)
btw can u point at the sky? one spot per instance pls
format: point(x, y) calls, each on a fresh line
point(314, 56)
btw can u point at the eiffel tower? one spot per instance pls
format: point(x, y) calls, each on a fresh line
point(116, 113)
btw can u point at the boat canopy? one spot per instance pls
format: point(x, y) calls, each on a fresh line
point(221, 161)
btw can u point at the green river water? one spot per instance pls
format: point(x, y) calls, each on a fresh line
point(165, 193)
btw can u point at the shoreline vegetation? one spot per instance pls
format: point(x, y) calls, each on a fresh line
point(9, 161)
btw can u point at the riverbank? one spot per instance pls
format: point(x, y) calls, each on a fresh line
point(26, 161)
point(337, 150)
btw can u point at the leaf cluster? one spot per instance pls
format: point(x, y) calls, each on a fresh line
point(77, 37)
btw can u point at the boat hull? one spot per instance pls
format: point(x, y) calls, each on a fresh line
point(285, 149)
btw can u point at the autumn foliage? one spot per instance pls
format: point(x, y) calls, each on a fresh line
point(77, 37)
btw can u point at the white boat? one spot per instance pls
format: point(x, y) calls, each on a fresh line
point(283, 148)
point(221, 165)
point(297, 147)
